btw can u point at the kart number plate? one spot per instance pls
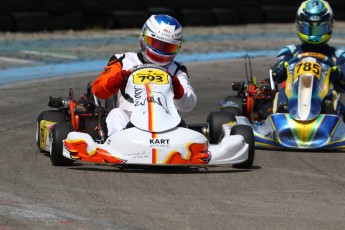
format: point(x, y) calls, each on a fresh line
point(150, 75)
point(308, 67)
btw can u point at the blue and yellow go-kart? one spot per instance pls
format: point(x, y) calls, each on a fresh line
point(313, 118)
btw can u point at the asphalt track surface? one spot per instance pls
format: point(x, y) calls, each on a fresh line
point(283, 190)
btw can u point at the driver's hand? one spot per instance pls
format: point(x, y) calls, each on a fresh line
point(336, 74)
point(281, 69)
point(279, 72)
point(119, 81)
point(178, 88)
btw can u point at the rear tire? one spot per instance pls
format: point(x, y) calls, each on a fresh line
point(48, 115)
point(234, 110)
point(248, 135)
point(214, 123)
point(59, 133)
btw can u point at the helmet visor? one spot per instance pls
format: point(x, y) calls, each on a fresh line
point(164, 47)
point(158, 58)
point(314, 30)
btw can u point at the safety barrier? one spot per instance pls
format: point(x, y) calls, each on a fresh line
point(38, 15)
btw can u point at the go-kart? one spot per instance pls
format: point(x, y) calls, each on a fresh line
point(312, 119)
point(156, 134)
point(253, 100)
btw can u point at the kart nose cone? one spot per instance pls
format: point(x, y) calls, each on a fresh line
point(309, 134)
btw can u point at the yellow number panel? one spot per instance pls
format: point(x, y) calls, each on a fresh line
point(150, 75)
point(308, 67)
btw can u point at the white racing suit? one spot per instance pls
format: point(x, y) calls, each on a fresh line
point(119, 117)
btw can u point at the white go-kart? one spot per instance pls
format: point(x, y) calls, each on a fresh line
point(156, 134)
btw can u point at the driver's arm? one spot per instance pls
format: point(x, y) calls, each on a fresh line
point(338, 77)
point(279, 70)
point(105, 84)
point(187, 102)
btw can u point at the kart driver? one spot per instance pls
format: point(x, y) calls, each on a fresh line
point(160, 41)
point(314, 22)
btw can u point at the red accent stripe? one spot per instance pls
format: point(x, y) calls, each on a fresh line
point(154, 151)
point(150, 107)
point(154, 156)
point(150, 121)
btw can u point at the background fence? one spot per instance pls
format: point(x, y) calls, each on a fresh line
point(38, 15)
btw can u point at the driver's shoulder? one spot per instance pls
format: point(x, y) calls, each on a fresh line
point(129, 59)
point(288, 49)
point(340, 53)
point(174, 67)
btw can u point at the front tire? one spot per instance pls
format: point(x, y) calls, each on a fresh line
point(234, 110)
point(248, 135)
point(59, 133)
point(48, 115)
point(214, 123)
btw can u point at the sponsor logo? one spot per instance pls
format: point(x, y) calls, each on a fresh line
point(137, 155)
point(159, 143)
point(156, 97)
point(314, 18)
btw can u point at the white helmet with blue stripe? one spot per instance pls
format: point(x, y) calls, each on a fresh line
point(161, 39)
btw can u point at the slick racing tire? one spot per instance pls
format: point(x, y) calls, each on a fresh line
point(248, 135)
point(59, 133)
point(48, 115)
point(214, 123)
point(233, 110)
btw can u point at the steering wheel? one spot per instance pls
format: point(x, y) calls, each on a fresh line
point(328, 61)
point(147, 78)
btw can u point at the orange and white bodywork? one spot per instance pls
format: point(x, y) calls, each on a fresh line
point(155, 138)
point(180, 146)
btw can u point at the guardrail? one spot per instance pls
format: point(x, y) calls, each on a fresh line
point(40, 15)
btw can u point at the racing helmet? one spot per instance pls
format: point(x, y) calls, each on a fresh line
point(160, 39)
point(314, 21)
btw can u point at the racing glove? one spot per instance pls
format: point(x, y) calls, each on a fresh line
point(178, 88)
point(336, 74)
point(119, 81)
point(279, 72)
